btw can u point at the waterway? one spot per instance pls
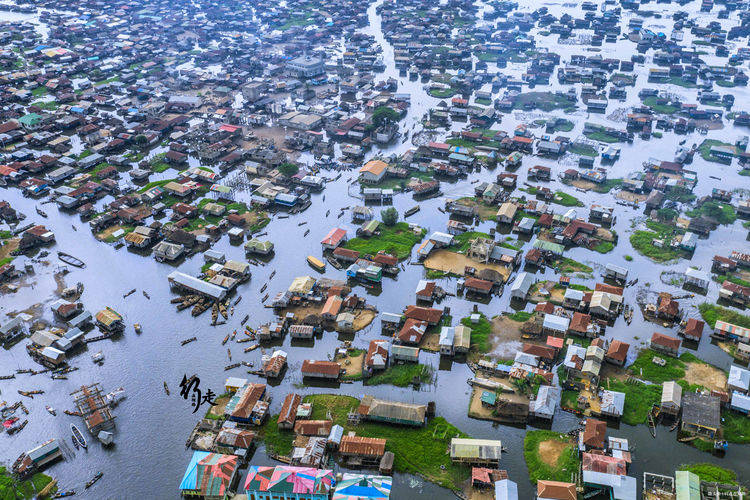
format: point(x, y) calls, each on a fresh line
point(149, 456)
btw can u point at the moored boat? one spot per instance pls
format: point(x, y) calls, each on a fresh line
point(316, 264)
point(77, 436)
point(94, 479)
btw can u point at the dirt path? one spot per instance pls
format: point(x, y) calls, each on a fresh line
point(505, 336)
point(352, 364)
point(8, 248)
point(706, 375)
point(363, 319)
point(452, 262)
point(550, 451)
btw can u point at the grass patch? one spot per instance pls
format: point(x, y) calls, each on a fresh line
point(566, 200)
point(462, 242)
point(599, 133)
point(723, 213)
point(11, 488)
point(520, 316)
point(665, 109)
point(639, 398)
point(642, 241)
point(417, 450)
point(711, 473)
point(566, 465)
point(397, 240)
point(711, 313)
point(719, 279)
point(480, 333)
point(546, 101)
point(643, 367)
point(604, 247)
point(736, 427)
point(608, 185)
point(278, 441)
point(402, 375)
point(566, 265)
point(583, 150)
point(705, 149)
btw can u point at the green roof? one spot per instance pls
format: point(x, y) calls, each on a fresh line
point(688, 485)
point(30, 119)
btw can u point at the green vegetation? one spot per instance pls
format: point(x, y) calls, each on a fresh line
point(46, 105)
point(608, 185)
point(418, 450)
point(539, 469)
point(723, 213)
point(681, 194)
point(566, 200)
point(480, 333)
point(725, 83)
point(4, 235)
point(158, 164)
point(13, 489)
point(6, 260)
point(462, 242)
point(677, 80)
point(604, 247)
point(665, 109)
point(389, 216)
point(711, 313)
point(566, 265)
point(599, 133)
point(642, 241)
point(483, 101)
point(562, 125)
point(583, 149)
point(520, 316)
point(718, 278)
point(397, 240)
point(155, 184)
point(674, 369)
point(546, 101)
point(705, 149)
point(402, 375)
point(288, 169)
point(639, 398)
point(443, 93)
point(278, 441)
point(39, 91)
point(711, 473)
point(384, 114)
point(736, 427)
point(629, 258)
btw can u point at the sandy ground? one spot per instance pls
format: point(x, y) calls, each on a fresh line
point(506, 336)
point(363, 319)
point(276, 134)
point(604, 234)
point(628, 196)
point(706, 375)
point(581, 184)
point(9, 247)
point(550, 451)
point(556, 295)
point(476, 410)
point(431, 342)
point(108, 232)
point(452, 262)
point(352, 364)
point(485, 212)
point(302, 312)
point(221, 404)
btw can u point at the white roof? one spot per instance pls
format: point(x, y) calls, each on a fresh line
point(554, 322)
point(740, 400)
point(506, 489)
point(573, 294)
point(697, 274)
point(447, 333)
point(522, 282)
point(739, 377)
point(623, 487)
point(671, 392)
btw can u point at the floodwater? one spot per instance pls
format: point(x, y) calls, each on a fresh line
point(149, 457)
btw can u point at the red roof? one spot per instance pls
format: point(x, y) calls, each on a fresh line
point(618, 350)
point(427, 314)
point(694, 328)
point(334, 237)
point(665, 341)
point(310, 367)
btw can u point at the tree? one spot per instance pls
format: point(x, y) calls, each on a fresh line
point(140, 139)
point(384, 114)
point(288, 169)
point(389, 216)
